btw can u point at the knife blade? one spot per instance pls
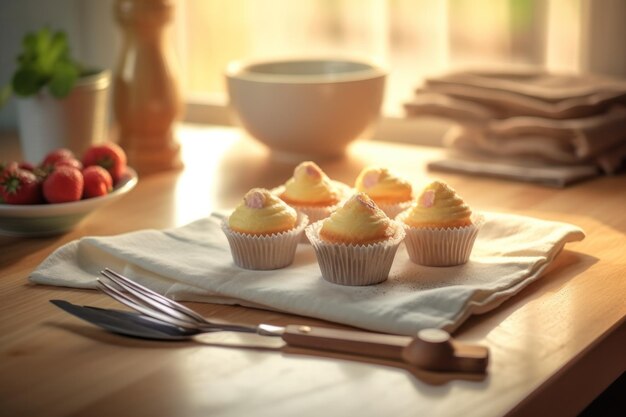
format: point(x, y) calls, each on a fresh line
point(124, 322)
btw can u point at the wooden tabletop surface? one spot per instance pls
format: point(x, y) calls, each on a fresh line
point(554, 347)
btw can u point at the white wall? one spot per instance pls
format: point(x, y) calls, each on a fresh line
point(89, 24)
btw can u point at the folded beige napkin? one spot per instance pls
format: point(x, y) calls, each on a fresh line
point(532, 93)
point(583, 138)
point(527, 170)
point(193, 263)
point(565, 122)
point(527, 149)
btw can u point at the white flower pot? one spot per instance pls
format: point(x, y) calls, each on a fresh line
point(73, 122)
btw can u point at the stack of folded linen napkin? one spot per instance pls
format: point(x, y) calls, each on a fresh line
point(536, 126)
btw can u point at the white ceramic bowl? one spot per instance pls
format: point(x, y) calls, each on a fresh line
point(307, 107)
point(51, 219)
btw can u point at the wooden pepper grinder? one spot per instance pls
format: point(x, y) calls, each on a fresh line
point(147, 100)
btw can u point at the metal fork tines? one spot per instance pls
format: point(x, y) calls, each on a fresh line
point(157, 306)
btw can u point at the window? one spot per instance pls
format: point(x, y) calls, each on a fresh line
point(412, 38)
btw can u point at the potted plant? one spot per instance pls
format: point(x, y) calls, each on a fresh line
point(60, 104)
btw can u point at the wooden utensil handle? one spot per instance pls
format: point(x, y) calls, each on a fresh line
point(347, 341)
point(470, 358)
point(432, 349)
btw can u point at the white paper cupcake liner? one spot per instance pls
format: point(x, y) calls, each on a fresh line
point(354, 265)
point(265, 252)
point(450, 246)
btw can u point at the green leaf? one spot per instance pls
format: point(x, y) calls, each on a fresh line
point(45, 59)
point(5, 94)
point(27, 82)
point(64, 76)
point(43, 39)
point(57, 50)
point(29, 43)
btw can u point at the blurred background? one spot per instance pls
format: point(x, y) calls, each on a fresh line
point(412, 38)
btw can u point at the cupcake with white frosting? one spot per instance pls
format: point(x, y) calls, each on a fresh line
point(356, 245)
point(263, 231)
point(312, 192)
point(391, 193)
point(440, 227)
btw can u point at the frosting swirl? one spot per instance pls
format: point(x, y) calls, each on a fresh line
point(438, 206)
point(261, 213)
point(310, 186)
point(359, 221)
point(383, 185)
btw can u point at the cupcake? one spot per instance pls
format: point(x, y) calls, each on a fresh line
point(389, 191)
point(440, 227)
point(263, 231)
point(356, 244)
point(311, 192)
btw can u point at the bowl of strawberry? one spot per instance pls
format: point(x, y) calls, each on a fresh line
point(55, 195)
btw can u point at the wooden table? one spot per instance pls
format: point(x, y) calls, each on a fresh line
point(554, 347)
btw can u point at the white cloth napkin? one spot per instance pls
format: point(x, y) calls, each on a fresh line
point(193, 263)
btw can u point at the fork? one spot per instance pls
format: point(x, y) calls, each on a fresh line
point(159, 307)
point(431, 349)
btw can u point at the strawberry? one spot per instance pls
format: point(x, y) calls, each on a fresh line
point(52, 157)
point(63, 185)
point(109, 156)
point(26, 165)
point(71, 162)
point(98, 181)
point(19, 186)
point(5, 166)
